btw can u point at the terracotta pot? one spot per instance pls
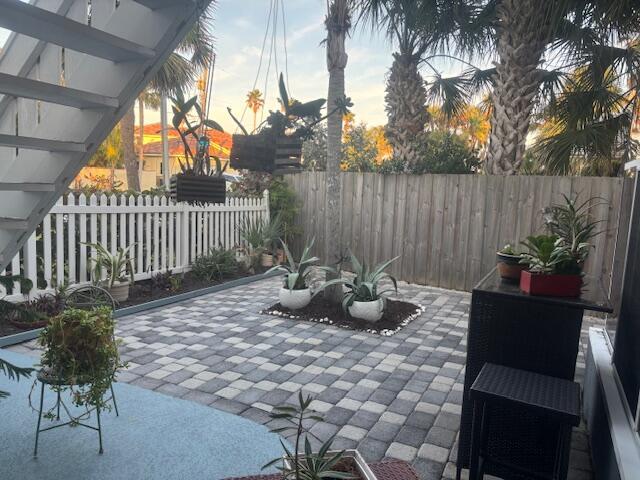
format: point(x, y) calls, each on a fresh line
point(550, 285)
point(266, 260)
point(279, 256)
point(369, 311)
point(294, 299)
point(120, 291)
point(509, 267)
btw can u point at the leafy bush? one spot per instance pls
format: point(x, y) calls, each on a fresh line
point(442, 152)
point(216, 264)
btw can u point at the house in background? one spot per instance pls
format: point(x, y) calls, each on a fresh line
point(220, 146)
point(151, 174)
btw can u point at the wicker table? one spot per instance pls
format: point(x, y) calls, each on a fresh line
point(389, 470)
point(538, 334)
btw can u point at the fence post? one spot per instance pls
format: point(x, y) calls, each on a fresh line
point(184, 235)
point(265, 205)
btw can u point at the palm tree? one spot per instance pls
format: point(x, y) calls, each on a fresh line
point(179, 72)
point(255, 102)
point(406, 95)
point(522, 35)
point(338, 24)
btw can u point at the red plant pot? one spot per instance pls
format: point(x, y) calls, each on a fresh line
point(550, 285)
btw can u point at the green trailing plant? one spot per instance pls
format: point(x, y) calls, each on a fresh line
point(302, 463)
point(572, 223)
point(548, 254)
point(365, 285)
point(115, 268)
point(296, 119)
point(80, 351)
point(216, 264)
point(196, 144)
point(296, 274)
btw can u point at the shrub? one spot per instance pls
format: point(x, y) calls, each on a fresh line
point(216, 264)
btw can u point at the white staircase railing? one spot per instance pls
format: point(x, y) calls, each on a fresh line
point(68, 72)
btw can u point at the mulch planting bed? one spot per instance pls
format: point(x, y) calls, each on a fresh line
point(145, 291)
point(397, 315)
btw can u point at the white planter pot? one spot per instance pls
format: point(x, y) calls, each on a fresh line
point(369, 311)
point(120, 291)
point(294, 299)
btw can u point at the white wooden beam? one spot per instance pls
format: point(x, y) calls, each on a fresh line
point(27, 187)
point(44, 25)
point(10, 223)
point(48, 92)
point(32, 143)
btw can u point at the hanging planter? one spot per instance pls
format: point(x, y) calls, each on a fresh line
point(252, 152)
point(260, 153)
point(198, 188)
point(276, 144)
point(198, 183)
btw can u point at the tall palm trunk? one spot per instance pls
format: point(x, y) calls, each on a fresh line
point(405, 99)
point(337, 24)
point(127, 135)
point(140, 137)
point(522, 36)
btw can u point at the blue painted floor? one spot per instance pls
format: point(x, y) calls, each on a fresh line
point(155, 437)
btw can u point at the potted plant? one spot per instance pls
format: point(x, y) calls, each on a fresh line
point(197, 183)
point(295, 292)
point(556, 261)
point(37, 312)
point(363, 299)
point(80, 354)
point(271, 233)
point(509, 264)
point(303, 463)
point(113, 272)
point(551, 270)
point(275, 146)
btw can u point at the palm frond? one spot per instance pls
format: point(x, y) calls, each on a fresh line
point(452, 93)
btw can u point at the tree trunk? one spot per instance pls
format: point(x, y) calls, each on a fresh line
point(337, 23)
point(407, 115)
point(522, 37)
point(140, 137)
point(127, 133)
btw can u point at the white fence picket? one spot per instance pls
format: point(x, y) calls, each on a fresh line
point(166, 235)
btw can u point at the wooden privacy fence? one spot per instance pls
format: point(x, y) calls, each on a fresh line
point(447, 228)
point(165, 235)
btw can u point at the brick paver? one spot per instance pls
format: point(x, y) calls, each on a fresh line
point(395, 396)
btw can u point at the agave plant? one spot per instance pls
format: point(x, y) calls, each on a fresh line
point(305, 465)
point(116, 268)
point(296, 273)
point(548, 254)
point(365, 285)
point(572, 223)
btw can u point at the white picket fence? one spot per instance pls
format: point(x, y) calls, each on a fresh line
point(165, 235)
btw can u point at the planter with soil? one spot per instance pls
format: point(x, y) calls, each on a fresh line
point(263, 153)
point(369, 311)
point(397, 315)
point(551, 285)
point(294, 299)
point(119, 291)
point(198, 189)
point(509, 267)
point(351, 463)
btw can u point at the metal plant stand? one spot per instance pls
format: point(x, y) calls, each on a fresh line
point(45, 379)
point(532, 333)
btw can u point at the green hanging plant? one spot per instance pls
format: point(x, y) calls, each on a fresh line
point(81, 354)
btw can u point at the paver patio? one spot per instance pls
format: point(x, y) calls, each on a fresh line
point(395, 396)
